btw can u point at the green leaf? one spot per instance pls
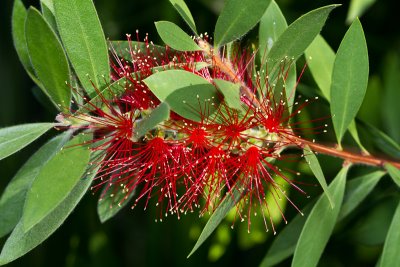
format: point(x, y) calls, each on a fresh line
point(354, 133)
point(231, 93)
point(184, 11)
point(114, 198)
point(14, 138)
point(175, 37)
point(357, 190)
point(237, 18)
point(390, 254)
point(188, 94)
point(122, 48)
point(47, 8)
point(158, 115)
point(391, 95)
point(219, 214)
point(291, 44)
point(18, 33)
point(272, 25)
point(319, 225)
point(320, 59)
point(48, 59)
point(357, 8)
point(316, 169)
point(285, 243)
point(393, 172)
point(20, 242)
point(84, 41)
point(349, 78)
point(55, 182)
point(13, 198)
point(383, 142)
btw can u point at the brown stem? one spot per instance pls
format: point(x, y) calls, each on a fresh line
point(227, 68)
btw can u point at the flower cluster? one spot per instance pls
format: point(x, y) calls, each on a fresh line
point(185, 164)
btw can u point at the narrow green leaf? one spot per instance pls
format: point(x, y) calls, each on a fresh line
point(14, 138)
point(219, 214)
point(20, 242)
point(357, 190)
point(158, 115)
point(48, 59)
point(390, 254)
point(175, 37)
point(18, 33)
point(291, 44)
point(391, 95)
point(114, 198)
point(272, 25)
point(285, 243)
point(393, 172)
point(319, 225)
point(188, 94)
point(47, 8)
point(184, 11)
point(316, 169)
point(13, 198)
point(357, 8)
point(84, 41)
point(320, 58)
point(237, 18)
point(383, 142)
point(349, 79)
point(231, 92)
point(55, 182)
point(354, 133)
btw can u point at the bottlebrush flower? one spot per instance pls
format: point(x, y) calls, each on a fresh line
point(185, 164)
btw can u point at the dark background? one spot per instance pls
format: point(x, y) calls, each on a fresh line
point(132, 238)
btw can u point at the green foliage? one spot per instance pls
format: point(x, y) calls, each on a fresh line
point(390, 254)
point(219, 214)
point(312, 160)
point(157, 116)
point(13, 198)
point(393, 172)
point(319, 225)
point(61, 174)
point(187, 94)
point(349, 78)
point(231, 92)
point(237, 18)
point(48, 59)
point(184, 11)
point(175, 37)
point(15, 138)
point(84, 41)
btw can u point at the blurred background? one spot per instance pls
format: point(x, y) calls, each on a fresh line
point(132, 238)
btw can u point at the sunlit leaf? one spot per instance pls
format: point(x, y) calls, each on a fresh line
point(231, 92)
point(84, 41)
point(316, 169)
point(20, 242)
point(184, 11)
point(48, 59)
point(175, 37)
point(188, 94)
point(13, 198)
point(319, 225)
point(237, 18)
point(15, 138)
point(357, 8)
point(55, 181)
point(349, 78)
